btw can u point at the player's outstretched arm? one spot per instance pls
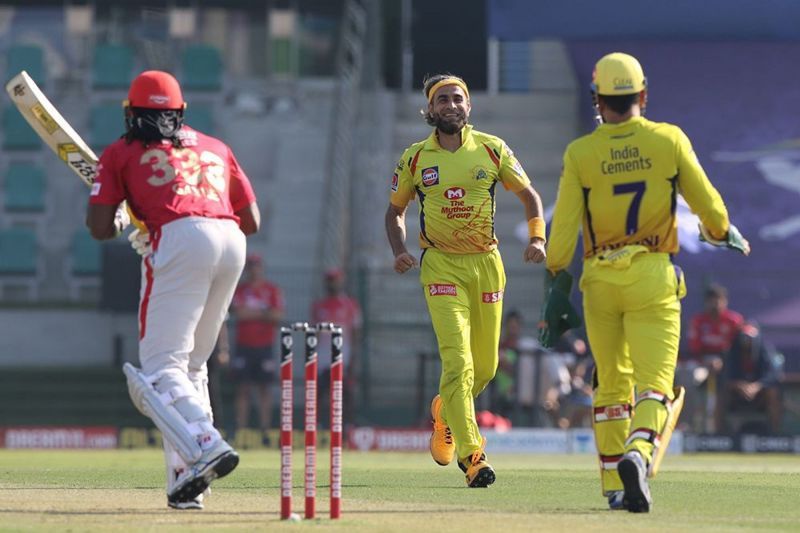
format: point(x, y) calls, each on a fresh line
point(733, 240)
point(396, 232)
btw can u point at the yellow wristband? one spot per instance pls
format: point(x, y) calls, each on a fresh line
point(536, 228)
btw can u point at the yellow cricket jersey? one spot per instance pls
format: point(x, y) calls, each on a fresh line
point(456, 189)
point(621, 182)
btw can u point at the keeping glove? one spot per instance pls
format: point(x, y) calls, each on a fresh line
point(140, 242)
point(558, 315)
point(734, 239)
point(121, 218)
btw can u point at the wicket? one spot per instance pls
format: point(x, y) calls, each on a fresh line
point(310, 417)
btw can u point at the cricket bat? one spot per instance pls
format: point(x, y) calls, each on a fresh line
point(55, 131)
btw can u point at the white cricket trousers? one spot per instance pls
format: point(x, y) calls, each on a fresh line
point(187, 286)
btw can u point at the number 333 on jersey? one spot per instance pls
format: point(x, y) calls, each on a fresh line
point(163, 182)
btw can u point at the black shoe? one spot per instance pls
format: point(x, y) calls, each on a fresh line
point(633, 473)
point(195, 504)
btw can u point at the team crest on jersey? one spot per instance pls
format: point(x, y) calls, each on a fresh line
point(479, 173)
point(442, 289)
point(430, 176)
point(395, 182)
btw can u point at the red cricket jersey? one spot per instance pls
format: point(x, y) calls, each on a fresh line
point(162, 183)
point(341, 310)
point(261, 296)
point(709, 335)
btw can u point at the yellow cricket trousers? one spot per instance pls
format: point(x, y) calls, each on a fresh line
point(632, 313)
point(464, 293)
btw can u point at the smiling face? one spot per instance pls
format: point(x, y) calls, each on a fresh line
point(449, 109)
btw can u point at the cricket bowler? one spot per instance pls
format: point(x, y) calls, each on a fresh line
point(454, 173)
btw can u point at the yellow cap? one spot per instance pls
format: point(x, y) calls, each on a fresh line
point(618, 74)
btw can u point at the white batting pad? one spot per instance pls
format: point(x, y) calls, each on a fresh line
point(161, 409)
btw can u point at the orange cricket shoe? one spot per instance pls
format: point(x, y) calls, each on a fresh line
point(443, 447)
point(479, 473)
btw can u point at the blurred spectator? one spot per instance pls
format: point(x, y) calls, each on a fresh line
point(220, 358)
point(751, 379)
point(530, 380)
point(502, 390)
point(577, 405)
point(711, 333)
point(337, 307)
point(258, 307)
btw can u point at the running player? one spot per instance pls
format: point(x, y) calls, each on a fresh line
point(454, 173)
point(198, 205)
point(621, 183)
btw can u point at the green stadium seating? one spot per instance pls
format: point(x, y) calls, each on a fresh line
point(112, 67)
point(18, 251)
point(106, 124)
point(201, 118)
point(17, 133)
point(24, 188)
point(26, 57)
point(201, 68)
point(281, 55)
point(86, 255)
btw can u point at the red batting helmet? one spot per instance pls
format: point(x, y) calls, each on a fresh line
point(155, 89)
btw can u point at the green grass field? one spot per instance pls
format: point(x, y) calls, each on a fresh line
point(122, 490)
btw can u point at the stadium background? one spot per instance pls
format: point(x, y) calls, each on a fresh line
point(318, 98)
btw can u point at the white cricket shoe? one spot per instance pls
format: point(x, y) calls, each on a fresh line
point(633, 473)
point(216, 462)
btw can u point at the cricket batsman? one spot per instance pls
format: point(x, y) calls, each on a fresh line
point(454, 173)
point(620, 185)
point(197, 205)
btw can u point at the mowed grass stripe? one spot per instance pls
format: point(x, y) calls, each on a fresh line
point(123, 490)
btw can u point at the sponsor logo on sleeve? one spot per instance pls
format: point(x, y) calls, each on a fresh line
point(442, 289)
point(430, 176)
point(395, 182)
point(492, 297)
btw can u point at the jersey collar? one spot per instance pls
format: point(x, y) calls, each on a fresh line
point(431, 143)
point(630, 122)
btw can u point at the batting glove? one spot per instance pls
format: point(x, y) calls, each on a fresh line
point(558, 314)
point(121, 218)
point(733, 240)
point(140, 242)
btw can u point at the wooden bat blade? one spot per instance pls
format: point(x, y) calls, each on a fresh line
point(52, 127)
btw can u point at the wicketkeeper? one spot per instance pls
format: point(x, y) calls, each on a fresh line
point(620, 185)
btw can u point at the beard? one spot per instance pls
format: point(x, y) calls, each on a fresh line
point(450, 126)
